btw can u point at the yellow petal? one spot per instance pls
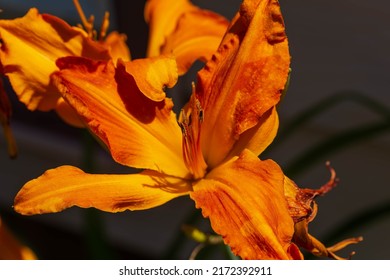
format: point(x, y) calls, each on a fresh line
point(138, 131)
point(245, 203)
point(116, 44)
point(245, 77)
point(30, 46)
point(11, 248)
point(67, 186)
point(197, 36)
point(152, 75)
point(162, 17)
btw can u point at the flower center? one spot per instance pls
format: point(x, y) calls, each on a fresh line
point(190, 122)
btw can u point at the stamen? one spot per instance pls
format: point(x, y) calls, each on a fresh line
point(199, 108)
point(341, 245)
point(191, 127)
point(200, 111)
point(183, 123)
point(104, 26)
point(88, 24)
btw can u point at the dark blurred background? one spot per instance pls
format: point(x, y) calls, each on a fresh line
point(339, 54)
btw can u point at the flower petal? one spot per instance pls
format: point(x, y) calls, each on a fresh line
point(244, 79)
point(153, 74)
point(197, 36)
point(162, 17)
point(116, 43)
point(236, 198)
point(68, 114)
point(138, 131)
point(303, 210)
point(67, 186)
point(259, 137)
point(30, 46)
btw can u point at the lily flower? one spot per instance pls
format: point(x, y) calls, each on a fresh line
point(180, 28)
point(303, 210)
point(29, 60)
point(209, 153)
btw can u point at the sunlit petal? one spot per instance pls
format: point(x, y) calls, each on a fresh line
point(197, 36)
point(30, 46)
point(153, 75)
point(259, 137)
point(68, 114)
point(236, 198)
point(162, 17)
point(245, 77)
point(117, 46)
point(67, 186)
point(138, 131)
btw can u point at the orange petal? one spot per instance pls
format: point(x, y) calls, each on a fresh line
point(245, 77)
point(162, 17)
point(67, 186)
point(301, 200)
point(11, 248)
point(30, 46)
point(116, 44)
point(68, 114)
point(138, 131)
point(197, 36)
point(259, 137)
point(153, 74)
point(245, 202)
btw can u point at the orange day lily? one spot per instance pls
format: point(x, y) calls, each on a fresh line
point(210, 153)
point(30, 46)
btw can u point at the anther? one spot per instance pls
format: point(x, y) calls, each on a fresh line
point(104, 26)
point(200, 110)
point(88, 24)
